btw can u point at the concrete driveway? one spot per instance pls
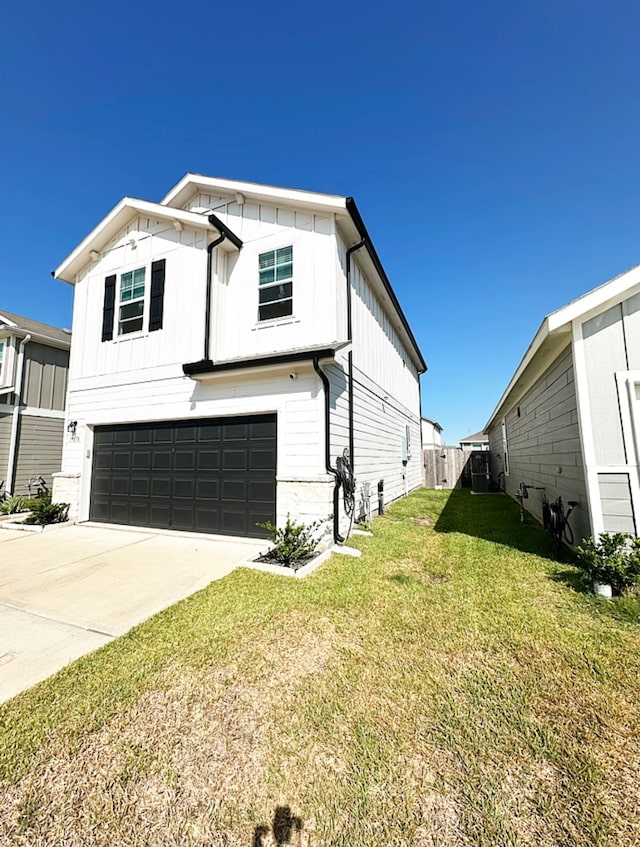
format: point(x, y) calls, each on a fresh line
point(68, 591)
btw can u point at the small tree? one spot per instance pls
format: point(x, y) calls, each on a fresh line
point(613, 559)
point(292, 542)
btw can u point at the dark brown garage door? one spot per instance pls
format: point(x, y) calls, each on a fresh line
point(215, 475)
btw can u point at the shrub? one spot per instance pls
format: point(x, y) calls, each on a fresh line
point(293, 542)
point(613, 559)
point(44, 512)
point(13, 504)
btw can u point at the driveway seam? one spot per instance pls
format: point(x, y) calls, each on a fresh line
point(53, 619)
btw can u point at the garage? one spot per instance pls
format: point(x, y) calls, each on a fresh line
point(215, 475)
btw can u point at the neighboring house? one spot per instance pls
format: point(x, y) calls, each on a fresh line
point(477, 441)
point(431, 434)
point(569, 420)
point(237, 348)
point(34, 363)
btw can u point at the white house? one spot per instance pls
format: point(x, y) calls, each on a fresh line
point(239, 354)
point(569, 420)
point(431, 434)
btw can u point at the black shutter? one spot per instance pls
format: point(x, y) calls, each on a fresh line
point(109, 307)
point(157, 295)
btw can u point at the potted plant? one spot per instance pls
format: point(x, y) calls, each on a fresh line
point(612, 562)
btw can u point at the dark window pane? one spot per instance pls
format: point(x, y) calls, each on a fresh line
point(276, 310)
point(276, 292)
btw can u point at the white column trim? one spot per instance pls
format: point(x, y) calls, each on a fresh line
point(586, 431)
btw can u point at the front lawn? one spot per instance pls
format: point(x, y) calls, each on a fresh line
point(453, 686)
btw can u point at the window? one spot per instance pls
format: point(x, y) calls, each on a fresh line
point(275, 284)
point(131, 313)
point(505, 448)
point(1, 357)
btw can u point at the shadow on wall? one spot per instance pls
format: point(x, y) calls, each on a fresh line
point(494, 517)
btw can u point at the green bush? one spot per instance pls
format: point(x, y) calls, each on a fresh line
point(292, 543)
point(12, 505)
point(44, 512)
point(614, 559)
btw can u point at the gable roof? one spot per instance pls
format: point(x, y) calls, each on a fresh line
point(435, 424)
point(477, 436)
point(124, 211)
point(555, 332)
point(344, 208)
point(27, 326)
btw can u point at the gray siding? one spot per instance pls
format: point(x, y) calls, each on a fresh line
point(615, 497)
point(39, 450)
point(5, 437)
point(45, 377)
point(544, 444)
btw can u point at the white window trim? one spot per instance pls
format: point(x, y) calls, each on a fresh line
point(280, 318)
point(145, 302)
point(505, 445)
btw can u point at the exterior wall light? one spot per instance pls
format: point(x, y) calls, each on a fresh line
point(72, 426)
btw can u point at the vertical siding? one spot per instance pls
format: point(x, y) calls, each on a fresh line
point(39, 450)
point(544, 444)
point(605, 353)
point(45, 377)
point(5, 437)
point(615, 497)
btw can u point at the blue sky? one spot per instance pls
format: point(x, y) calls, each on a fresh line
point(492, 148)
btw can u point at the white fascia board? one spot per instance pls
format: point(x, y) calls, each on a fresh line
point(6, 321)
point(181, 192)
point(109, 226)
point(608, 293)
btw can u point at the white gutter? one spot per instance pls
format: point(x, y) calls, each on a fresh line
point(13, 443)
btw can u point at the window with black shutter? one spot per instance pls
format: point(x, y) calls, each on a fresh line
point(108, 309)
point(156, 305)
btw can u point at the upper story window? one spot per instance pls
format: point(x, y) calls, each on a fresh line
point(131, 315)
point(275, 284)
point(138, 308)
point(2, 343)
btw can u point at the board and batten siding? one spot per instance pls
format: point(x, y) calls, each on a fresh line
point(39, 450)
point(611, 348)
point(543, 442)
point(45, 377)
point(5, 440)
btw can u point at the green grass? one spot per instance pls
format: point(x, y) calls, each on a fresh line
point(453, 686)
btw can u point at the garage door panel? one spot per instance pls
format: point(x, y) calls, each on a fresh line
point(184, 488)
point(141, 460)
point(262, 459)
point(161, 486)
point(234, 489)
point(214, 475)
point(120, 486)
point(161, 460)
point(184, 460)
point(263, 430)
point(140, 486)
point(234, 460)
point(261, 492)
point(121, 460)
point(234, 432)
point(208, 460)
point(207, 489)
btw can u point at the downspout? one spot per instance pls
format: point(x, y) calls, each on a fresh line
point(327, 451)
point(13, 441)
point(207, 307)
point(350, 354)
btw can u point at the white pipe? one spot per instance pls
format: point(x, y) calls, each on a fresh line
point(13, 443)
